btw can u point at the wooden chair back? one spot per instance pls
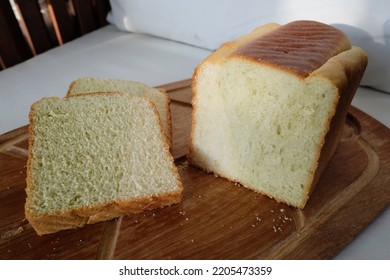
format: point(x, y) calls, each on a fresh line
point(30, 27)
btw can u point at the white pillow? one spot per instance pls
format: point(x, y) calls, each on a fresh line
point(207, 24)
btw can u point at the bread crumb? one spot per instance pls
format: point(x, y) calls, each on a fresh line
point(258, 218)
point(277, 228)
point(183, 166)
point(12, 232)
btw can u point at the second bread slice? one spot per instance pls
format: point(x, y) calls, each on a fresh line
point(159, 97)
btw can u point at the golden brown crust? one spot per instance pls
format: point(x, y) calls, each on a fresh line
point(299, 47)
point(81, 95)
point(70, 89)
point(168, 116)
point(228, 48)
point(345, 72)
point(74, 218)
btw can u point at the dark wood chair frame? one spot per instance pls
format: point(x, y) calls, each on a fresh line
point(31, 27)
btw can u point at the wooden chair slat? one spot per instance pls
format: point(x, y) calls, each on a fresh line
point(102, 8)
point(64, 23)
point(85, 16)
point(32, 16)
point(37, 31)
point(13, 45)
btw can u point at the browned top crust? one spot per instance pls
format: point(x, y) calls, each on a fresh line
point(299, 46)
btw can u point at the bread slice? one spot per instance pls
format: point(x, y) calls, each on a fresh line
point(159, 97)
point(269, 107)
point(96, 157)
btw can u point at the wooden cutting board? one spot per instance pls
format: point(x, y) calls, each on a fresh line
point(217, 219)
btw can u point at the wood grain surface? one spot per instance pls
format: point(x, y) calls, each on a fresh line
point(217, 219)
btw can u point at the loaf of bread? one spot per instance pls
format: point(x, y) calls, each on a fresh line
point(95, 157)
point(269, 107)
point(159, 97)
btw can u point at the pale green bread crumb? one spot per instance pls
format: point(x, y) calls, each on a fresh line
point(92, 150)
point(159, 97)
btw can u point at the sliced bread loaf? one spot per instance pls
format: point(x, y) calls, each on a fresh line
point(269, 107)
point(96, 157)
point(159, 97)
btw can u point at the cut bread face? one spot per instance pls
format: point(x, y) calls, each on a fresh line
point(269, 128)
point(272, 149)
point(159, 97)
point(96, 157)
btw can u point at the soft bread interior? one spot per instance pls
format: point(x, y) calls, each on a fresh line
point(159, 97)
point(267, 128)
point(88, 151)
